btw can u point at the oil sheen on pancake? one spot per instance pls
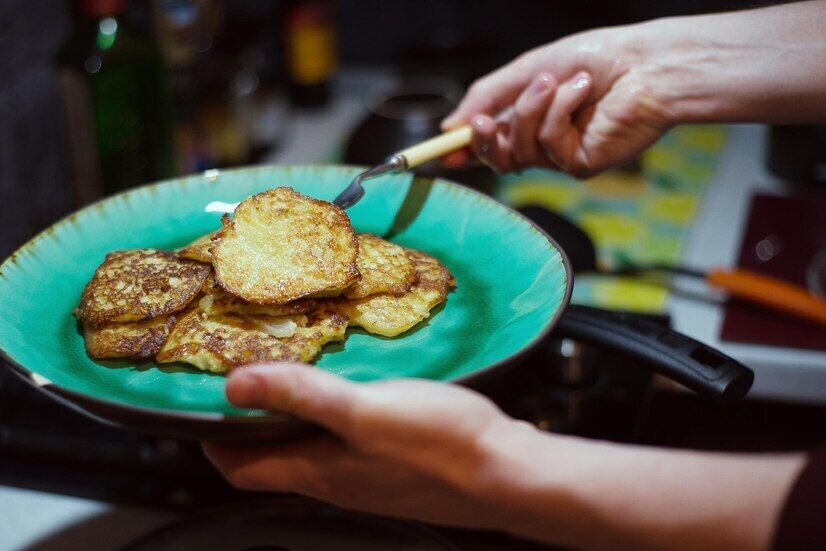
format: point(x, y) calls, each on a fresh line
point(138, 284)
point(223, 342)
point(384, 268)
point(138, 340)
point(282, 246)
point(390, 315)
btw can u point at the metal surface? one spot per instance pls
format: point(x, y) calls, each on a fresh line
point(293, 524)
point(355, 191)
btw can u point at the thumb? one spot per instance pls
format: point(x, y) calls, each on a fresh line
point(307, 392)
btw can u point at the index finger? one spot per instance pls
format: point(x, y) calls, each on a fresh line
point(493, 93)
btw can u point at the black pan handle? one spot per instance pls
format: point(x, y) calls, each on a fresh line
point(699, 367)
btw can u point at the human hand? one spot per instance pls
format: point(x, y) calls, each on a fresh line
point(408, 448)
point(441, 454)
point(582, 104)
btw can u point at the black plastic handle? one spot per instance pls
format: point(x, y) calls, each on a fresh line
point(699, 367)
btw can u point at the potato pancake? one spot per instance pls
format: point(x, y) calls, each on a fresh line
point(281, 278)
point(390, 315)
point(384, 268)
point(223, 342)
point(138, 284)
point(199, 249)
point(216, 301)
point(139, 340)
point(282, 246)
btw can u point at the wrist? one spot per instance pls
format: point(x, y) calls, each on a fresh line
point(681, 70)
point(590, 494)
point(540, 484)
point(765, 65)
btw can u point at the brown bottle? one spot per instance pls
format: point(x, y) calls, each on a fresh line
point(311, 51)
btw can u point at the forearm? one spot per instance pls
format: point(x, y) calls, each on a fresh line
point(766, 65)
point(592, 494)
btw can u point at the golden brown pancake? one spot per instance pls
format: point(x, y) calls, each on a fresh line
point(223, 342)
point(139, 340)
point(217, 301)
point(390, 315)
point(384, 268)
point(282, 246)
point(138, 284)
point(199, 249)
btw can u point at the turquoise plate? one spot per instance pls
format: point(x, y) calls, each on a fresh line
point(513, 283)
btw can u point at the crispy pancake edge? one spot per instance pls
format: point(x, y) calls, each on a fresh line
point(360, 289)
point(199, 249)
point(433, 277)
point(106, 342)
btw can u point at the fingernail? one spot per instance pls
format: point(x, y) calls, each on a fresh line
point(542, 83)
point(245, 389)
point(582, 80)
point(478, 121)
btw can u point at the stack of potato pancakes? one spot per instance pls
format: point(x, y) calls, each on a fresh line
point(284, 276)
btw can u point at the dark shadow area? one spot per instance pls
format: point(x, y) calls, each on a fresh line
point(411, 206)
point(114, 529)
point(330, 348)
point(274, 522)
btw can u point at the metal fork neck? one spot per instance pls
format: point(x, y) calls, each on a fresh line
point(396, 163)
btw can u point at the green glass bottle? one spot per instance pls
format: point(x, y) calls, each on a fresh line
point(130, 97)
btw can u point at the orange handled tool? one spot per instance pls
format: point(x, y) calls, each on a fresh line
point(747, 285)
point(769, 291)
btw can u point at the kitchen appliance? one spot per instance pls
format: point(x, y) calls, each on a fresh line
point(289, 524)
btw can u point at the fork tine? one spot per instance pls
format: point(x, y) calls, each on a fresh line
point(351, 194)
point(355, 191)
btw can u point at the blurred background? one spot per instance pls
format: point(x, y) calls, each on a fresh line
point(98, 96)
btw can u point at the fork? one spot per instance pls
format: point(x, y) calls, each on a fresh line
point(406, 159)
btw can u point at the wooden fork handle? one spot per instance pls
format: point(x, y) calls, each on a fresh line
point(436, 147)
point(769, 291)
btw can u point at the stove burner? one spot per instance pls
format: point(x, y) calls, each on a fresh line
point(289, 524)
